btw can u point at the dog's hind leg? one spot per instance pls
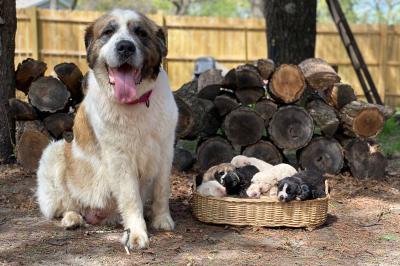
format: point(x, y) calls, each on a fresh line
point(160, 207)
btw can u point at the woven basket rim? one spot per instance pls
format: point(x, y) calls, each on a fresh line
point(262, 200)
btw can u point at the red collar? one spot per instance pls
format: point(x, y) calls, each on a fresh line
point(145, 98)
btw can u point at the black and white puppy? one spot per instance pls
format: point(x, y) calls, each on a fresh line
point(304, 185)
point(237, 181)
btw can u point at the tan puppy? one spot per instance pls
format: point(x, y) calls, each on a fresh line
point(124, 131)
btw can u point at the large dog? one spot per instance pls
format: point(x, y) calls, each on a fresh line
point(124, 132)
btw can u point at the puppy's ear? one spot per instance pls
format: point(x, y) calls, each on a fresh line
point(162, 39)
point(199, 179)
point(89, 35)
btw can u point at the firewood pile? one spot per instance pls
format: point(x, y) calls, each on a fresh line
point(299, 114)
point(49, 110)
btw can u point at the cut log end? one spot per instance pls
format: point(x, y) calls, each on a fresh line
point(291, 127)
point(71, 76)
point(323, 155)
point(183, 160)
point(225, 104)
point(287, 83)
point(264, 150)
point(243, 126)
point(209, 84)
point(48, 94)
point(214, 151)
point(20, 110)
point(58, 123)
point(369, 122)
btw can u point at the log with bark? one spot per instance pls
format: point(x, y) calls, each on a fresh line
point(319, 74)
point(28, 71)
point(183, 159)
point(287, 84)
point(249, 84)
point(264, 150)
point(197, 117)
point(266, 109)
point(209, 84)
point(71, 76)
point(365, 159)
point(265, 67)
point(33, 141)
point(322, 154)
point(225, 103)
point(243, 126)
point(361, 119)
point(324, 116)
point(48, 94)
point(291, 127)
point(58, 123)
point(22, 111)
point(214, 151)
point(339, 95)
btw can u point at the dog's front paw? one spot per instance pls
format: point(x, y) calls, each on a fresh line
point(135, 239)
point(72, 220)
point(163, 222)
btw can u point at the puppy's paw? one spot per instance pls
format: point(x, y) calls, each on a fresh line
point(72, 220)
point(163, 222)
point(135, 239)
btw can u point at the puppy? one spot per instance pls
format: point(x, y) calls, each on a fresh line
point(241, 160)
point(304, 185)
point(211, 188)
point(124, 133)
point(263, 181)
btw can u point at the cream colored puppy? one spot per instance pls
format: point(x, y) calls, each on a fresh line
point(124, 132)
point(241, 160)
point(264, 181)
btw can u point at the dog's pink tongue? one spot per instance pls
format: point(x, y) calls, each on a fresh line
point(124, 80)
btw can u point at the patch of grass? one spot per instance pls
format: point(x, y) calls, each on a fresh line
point(389, 237)
point(389, 138)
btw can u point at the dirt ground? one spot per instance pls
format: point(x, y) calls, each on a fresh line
point(363, 228)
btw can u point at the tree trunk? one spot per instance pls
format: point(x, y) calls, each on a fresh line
point(243, 126)
point(214, 151)
point(291, 30)
point(8, 26)
point(361, 119)
point(291, 127)
point(264, 150)
point(322, 154)
point(365, 159)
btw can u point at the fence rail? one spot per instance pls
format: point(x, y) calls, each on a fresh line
point(57, 36)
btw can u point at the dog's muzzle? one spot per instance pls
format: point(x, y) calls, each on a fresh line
point(125, 49)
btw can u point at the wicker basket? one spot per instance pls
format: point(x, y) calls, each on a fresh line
point(260, 212)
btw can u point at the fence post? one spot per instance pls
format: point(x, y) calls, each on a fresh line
point(33, 21)
point(383, 56)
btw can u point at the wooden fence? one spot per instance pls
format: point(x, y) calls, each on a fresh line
point(57, 36)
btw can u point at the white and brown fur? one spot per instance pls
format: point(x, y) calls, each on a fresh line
point(121, 155)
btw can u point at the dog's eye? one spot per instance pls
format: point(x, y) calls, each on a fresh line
point(107, 32)
point(140, 32)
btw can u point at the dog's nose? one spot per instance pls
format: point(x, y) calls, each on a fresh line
point(126, 48)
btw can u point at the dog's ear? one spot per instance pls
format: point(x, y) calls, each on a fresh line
point(199, 179)
point(162, 39)
point(89, 35)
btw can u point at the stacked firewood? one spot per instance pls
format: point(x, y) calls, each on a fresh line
point(48, 112)
point(299, 114)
